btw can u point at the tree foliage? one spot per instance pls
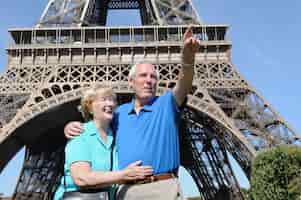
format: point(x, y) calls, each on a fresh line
point(246, 193)
point(276, 174)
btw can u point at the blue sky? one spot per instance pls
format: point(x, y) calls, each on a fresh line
point(266, 50)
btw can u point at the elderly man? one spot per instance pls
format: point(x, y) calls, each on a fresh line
point(146, 128)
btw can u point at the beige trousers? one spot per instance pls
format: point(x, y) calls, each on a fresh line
point(160, 190)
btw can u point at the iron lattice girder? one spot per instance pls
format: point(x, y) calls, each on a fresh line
point(119, 4)
point(42, 168)
point(175, 12)
point(259, 122)
point(64, 12)
point(206, 157)
point(94, 12)
point(9, 105)
point(74, 46)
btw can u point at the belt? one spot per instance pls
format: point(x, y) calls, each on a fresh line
point(153, 178)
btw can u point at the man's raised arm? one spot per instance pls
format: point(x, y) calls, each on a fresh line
point(184, 83)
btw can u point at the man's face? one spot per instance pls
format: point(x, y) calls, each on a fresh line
point(144, 82)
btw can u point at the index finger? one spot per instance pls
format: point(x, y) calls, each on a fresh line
point(188, 33)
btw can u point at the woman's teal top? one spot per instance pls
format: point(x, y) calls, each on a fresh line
point(88, 147)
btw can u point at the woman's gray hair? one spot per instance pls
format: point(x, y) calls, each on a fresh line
point(133, 69)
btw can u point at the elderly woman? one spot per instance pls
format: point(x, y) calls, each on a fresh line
point(90, 158)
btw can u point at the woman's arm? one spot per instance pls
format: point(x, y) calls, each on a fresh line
point(83, 176)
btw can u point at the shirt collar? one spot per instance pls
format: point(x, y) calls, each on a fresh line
point(92, 131)
point(147, 107)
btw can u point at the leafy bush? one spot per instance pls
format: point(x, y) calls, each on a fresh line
point(246, 193)
point(276, 174)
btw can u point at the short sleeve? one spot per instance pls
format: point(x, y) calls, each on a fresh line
point(170, 99)
point(77, 150)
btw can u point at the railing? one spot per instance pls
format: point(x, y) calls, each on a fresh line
point(108, 35)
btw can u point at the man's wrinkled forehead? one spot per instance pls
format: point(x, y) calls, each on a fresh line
point(146, 67)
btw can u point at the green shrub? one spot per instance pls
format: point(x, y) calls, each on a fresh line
point(246, 193)
point(294, 187)
point(276, 174)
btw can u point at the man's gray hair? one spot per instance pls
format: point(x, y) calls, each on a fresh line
point(133, 69)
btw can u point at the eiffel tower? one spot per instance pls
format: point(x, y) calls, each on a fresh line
point(70, 48)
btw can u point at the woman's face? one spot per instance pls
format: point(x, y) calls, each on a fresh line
point(103, 107)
